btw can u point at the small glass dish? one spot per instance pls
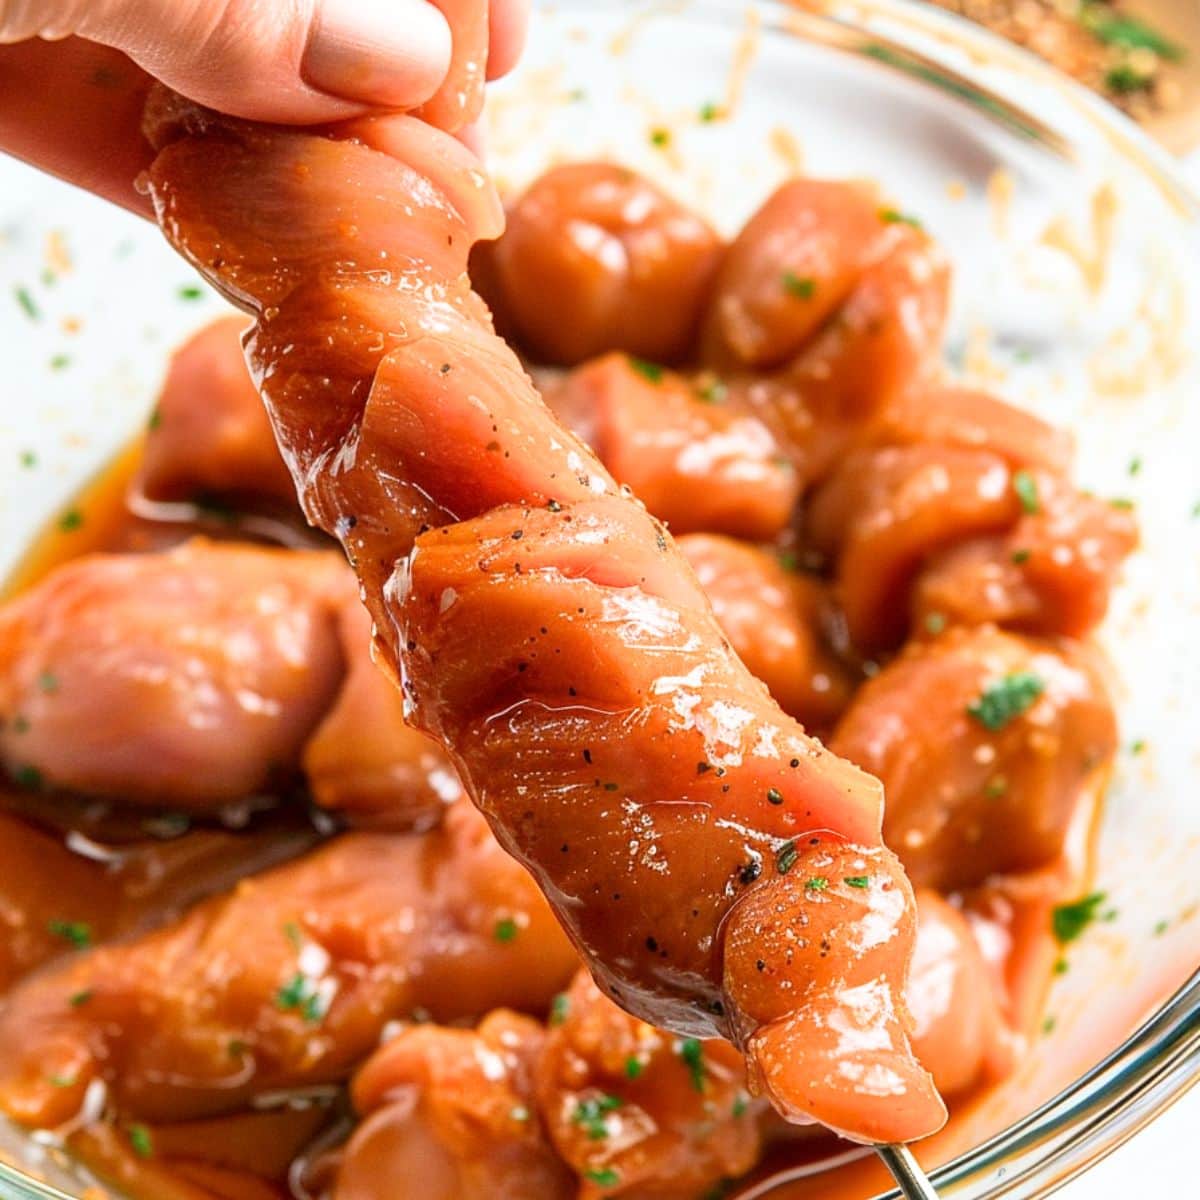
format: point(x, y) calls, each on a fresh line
point(1075, 244)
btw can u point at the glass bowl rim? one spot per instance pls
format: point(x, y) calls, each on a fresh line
point(1160, 1060)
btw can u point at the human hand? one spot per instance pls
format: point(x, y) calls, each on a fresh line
point(74, 74)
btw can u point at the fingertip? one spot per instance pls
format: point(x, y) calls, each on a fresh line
point(508, 29)
point(392, 55)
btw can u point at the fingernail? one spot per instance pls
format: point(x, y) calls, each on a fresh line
point(392, 53)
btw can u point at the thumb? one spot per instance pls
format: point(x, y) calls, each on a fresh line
point(291, 61)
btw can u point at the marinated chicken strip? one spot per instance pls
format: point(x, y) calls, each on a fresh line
point(54, 898)
point(507, 1109)
point(208, 436)
point(883, 512)
point(1051, 573)
point(364, 760)
point(840, 301)
point(548, 631)
point(958, 1004)
point(639, 1112)
point(954, 509)
point(632, 1110)
point(449, 1114)
point(187, 679)
point(1053, 570)
point(287, 981)
point(986, 743)
point(206, 675)
point(597, 258)
point(695, 463)
point(774, 619)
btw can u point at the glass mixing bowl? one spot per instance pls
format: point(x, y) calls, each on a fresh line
point(1076, 246)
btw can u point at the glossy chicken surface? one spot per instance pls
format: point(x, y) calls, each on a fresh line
point(986, 743)
point(191, 675)
point(449, 1114)
point(208, 437)
point(629, 268)
point(777, 621)
point(706, 934)
point(696, 463)
point(546, 629)
point(597, 1103)
point(328, 949)
point(204, 676)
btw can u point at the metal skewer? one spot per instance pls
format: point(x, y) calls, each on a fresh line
point(913, 1181)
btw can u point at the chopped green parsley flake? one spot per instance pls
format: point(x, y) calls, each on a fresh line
point(190, 291)
point(1124, 79)
point(935, 623)
point(802, 287)
point(1021, 556)
point(788, 560)
point(712, 391)
point(893, 216)
point(1138, 747)
point(154, 421)
point(592, 1115)
point(71, 520)
point(1135, 465)
point(633, 1067)
point(1161, 927)
point(78, 999)
point(27, 777)
point(1070, 920)
point(785, 858)
point(1006, 699)
point(741, 1102)
point(1026, 488)
point(60, 362)
point(505, 930)
point(26, 301)
point(1061, 966)
point(560, 1006)
point(1049, 1024)
point(62, 1081)
point(291, 931)
point(1129, 33)
point(48, 681)
point(691, 1050)
point(995, 787)
point(141, 1141)
point(78, 933)
point(604, 1177)
point(709, 112)
point(299, 995)
point(647, 370)
point(28, 458)
point(818, 883)
point(660, 137)
point(857, 881)
point(236, 1048)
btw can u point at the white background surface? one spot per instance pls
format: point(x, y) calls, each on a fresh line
point(1158, 1162)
